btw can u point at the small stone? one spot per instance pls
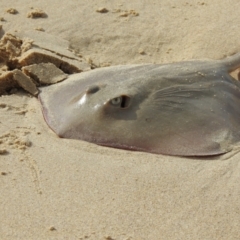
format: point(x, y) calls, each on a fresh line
point(109, 238)
point(28, 143)
point(125, 14)
point(3, 173)
point(3, 151)
point(102, 10)
point(2, 105)
point(128, 13)
point(116, 10)
point(22, 147)
point(22, 112)
point(40, 29)
point(52, 228)
point(134, 13)
point(141, 51)
point(37, 13)
point(12, 11)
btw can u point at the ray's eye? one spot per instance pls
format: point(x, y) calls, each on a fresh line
point(116, 101)
point(121, 101)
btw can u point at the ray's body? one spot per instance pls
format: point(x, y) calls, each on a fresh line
point(188, 108)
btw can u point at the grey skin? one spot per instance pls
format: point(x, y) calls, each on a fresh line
point(188, 108)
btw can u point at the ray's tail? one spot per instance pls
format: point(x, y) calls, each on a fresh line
point(232, 62)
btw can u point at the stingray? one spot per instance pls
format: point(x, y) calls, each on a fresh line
point(189, 108)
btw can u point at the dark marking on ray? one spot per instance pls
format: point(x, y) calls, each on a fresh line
point(92, 89)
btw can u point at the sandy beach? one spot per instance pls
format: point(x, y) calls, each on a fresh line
point(54, 188)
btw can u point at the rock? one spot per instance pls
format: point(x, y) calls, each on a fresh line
point(7, 82)
point(49, 48)
point(36, 56)
point(25, 82)
point(49, 57)
point(44, 73)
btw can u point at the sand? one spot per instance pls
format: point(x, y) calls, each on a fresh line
point(54, 188)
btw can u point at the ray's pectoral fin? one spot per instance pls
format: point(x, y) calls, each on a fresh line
point(193, 143)
point(185, 123)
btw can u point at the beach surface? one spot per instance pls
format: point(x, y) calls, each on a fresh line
point(53, 188)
